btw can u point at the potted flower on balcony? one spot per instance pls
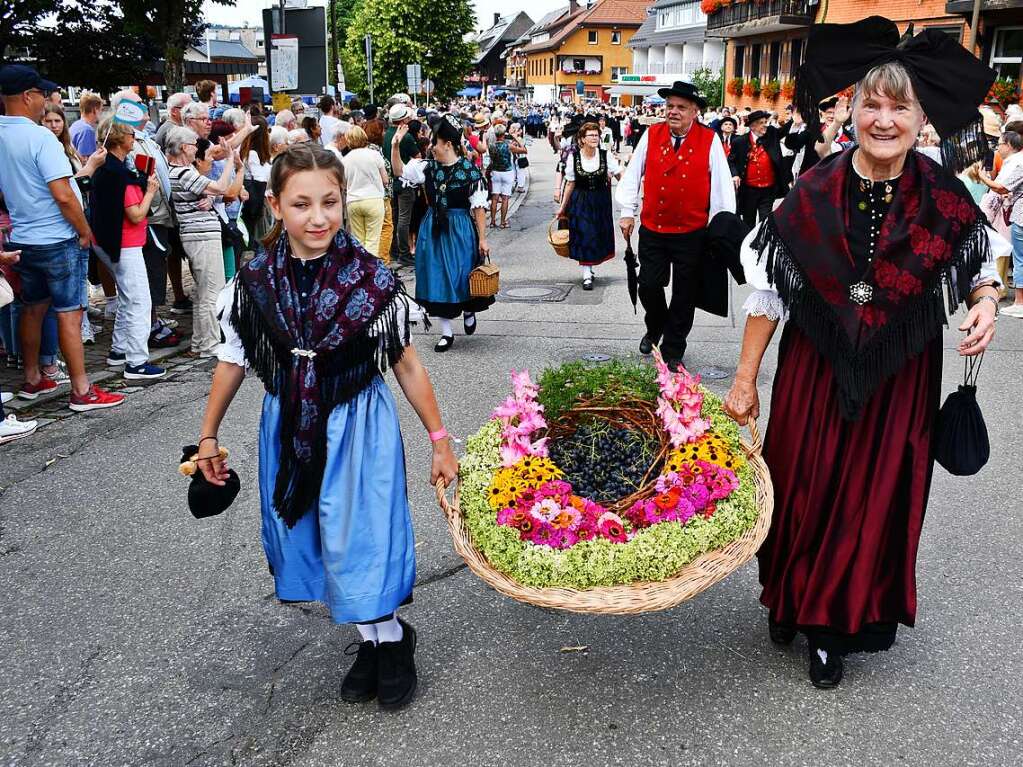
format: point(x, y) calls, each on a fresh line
point(771, 90)
point(752, 87)
point(710, 6)
point(734, 86)
point(1004, 91)
point(788, 90)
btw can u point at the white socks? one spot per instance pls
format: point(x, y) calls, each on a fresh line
point(386, 631)
point(587, 272)
point(445, 327)
point(389, 631)
point(368, 632)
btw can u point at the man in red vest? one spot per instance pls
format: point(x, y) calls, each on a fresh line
point(682, 172)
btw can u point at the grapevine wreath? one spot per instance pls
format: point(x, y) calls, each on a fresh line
point(615, 488)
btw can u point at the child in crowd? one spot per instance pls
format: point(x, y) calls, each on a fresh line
point(318, 319)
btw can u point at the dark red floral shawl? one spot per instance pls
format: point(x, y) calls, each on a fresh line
point(932, 244)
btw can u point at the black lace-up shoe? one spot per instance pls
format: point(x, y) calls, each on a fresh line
point(781, 633)
point(360, 683)
point(396, 681)
point(825, 672)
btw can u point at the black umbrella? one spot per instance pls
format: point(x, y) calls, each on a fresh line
point(632, 264)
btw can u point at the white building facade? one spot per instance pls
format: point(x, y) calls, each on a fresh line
point(671, 45)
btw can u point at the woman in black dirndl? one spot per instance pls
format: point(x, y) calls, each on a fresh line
point(587, 202)
point(864, 257)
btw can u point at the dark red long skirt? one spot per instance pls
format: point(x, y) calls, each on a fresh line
point(849, 495)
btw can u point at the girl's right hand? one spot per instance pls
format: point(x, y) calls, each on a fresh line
point(212, 466)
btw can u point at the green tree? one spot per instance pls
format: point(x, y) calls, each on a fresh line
point(344, 13)
point(174, 25)
point(407, 32)
point(711, 85)
point(19, 21)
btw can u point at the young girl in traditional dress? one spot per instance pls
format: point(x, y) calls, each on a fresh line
point(318, 319)
point(452, 235)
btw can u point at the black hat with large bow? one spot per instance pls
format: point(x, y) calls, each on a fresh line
point(949, 81)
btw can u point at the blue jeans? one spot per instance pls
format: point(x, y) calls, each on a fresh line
point(53, 273)
point(10, 315)
point(1017, 254)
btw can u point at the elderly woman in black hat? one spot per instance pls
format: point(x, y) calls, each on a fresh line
point(685, 180)
point(759, 173)
point(864, 257)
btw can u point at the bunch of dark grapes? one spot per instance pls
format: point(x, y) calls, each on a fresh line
point(604, 463)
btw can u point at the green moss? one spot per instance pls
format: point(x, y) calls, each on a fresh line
point(561, 387)
point(654, 554)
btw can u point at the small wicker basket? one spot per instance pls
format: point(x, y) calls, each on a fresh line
point(558, 238)
point(629, 599)
point(484, 280)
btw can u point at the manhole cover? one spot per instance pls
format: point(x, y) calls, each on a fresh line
point(534, 293)
point(713, 373)
point(596, 357)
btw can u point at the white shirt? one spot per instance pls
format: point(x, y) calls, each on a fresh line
point(328, 127)
point(764, 301)
point(1011, 177)
point(722, 190)
point(415, 173)
point(363, 169)
point(260, 171)
point(591, 164)
point(231, 349)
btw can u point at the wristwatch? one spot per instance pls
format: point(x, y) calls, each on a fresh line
point(993, 300)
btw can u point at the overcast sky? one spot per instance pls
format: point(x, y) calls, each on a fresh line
point(252, 10)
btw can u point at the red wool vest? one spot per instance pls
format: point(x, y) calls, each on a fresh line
point(676, 185)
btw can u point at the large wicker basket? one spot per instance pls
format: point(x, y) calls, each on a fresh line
point(557, 237)
point(701, 573)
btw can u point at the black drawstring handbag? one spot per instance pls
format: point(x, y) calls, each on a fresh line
point(961, 443)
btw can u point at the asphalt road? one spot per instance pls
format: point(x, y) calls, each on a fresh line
point(132, 634)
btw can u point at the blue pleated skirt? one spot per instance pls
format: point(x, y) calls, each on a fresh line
point(443, 265)
point(355, 551)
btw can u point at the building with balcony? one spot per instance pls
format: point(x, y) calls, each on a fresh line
point(1000, 34)
point(579, 52)
point(489, 66)
point(766, 39)
point(670, 45)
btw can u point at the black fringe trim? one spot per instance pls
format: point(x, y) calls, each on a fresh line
point(965, 147)
point(858, 372)
point(341, 374)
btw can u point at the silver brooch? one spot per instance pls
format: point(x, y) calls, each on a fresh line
point(303, 352)
point(861, 293)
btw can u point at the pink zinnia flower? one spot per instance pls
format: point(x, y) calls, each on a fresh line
point(611, 527)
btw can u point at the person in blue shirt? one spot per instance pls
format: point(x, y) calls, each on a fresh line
point(50, 229)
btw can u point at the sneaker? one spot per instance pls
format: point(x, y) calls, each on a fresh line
point(169, 324)
point(31, 391)
point(115, 359)
point(360, 683)
point(184, 306)
point(88, 334)
point(143, 372)
point(168, 341)
point(1016, 310)
point(95, 313)
point(59, 375)
point(396, 678)
point(11, 429)
point(6, 397)
point(94, 399)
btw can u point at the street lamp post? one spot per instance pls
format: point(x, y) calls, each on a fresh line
point(974, 22)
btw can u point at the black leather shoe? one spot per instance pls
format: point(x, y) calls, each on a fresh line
point(646, 346)
point(825, 675)
point(780, 633)
point(469, 324)
point(445, 343)
point(360, 683)
point(397, 680)
point(673, 364)
point(588, 283)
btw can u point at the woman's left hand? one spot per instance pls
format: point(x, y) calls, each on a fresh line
point(484, 248)
point(980, 321)
point(445, 465)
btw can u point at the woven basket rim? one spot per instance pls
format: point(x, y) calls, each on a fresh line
point(632, 598)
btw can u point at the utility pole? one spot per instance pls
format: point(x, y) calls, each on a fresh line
point(332, 10)
point(974, 23)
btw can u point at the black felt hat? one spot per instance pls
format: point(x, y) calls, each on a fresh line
point(684, 90)
point(205, 499)
point(757, 114)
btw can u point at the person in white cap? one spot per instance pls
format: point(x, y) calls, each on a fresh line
point(404, 192)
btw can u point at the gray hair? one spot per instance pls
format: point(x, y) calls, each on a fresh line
point(297, 136)
point(499, 130)
point(178, 100)
point(285, 116)
point(890, 79)
point(278, 136)
point(195, 109)
point(235, 117)
point(176, 138)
